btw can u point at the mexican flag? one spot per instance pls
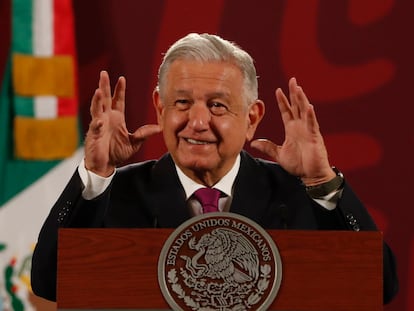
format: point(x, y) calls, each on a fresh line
point(39, 136)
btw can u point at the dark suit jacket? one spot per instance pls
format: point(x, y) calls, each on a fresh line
point(149, 194)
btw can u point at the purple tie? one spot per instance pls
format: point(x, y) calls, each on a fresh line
point(208, 197)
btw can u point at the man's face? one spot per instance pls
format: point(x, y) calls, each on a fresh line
point(205, 117)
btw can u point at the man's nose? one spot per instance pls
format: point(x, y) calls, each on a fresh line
point(199, 117)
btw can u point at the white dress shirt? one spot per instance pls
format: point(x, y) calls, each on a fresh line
point(225, 185)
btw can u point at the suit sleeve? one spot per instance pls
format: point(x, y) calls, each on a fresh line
point(350, 214)
point(70, 210)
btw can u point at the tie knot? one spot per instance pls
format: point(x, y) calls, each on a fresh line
point(208, 197)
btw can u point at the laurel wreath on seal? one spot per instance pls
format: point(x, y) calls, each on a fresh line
point(253, 299)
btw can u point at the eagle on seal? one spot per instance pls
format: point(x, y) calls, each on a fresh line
point(228, 255)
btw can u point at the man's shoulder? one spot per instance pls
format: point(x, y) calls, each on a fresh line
point(251, 161)
point(136, 166)
point(256, 167)
point(154, 167)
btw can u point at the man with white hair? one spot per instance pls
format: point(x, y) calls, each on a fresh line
point(207, 108)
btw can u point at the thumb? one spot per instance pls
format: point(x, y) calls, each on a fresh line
point(267, 147)
point(144, 132)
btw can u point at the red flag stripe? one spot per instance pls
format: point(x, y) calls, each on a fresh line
point(64, 43)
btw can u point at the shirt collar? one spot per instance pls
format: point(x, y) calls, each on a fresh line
point(225, 184)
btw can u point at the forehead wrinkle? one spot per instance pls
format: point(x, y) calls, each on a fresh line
point(213, 94)
point(202, 81)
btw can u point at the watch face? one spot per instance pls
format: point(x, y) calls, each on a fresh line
point(219, 261)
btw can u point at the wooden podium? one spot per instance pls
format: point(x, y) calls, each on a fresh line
point(117, 269)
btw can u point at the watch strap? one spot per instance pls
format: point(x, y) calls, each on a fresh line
point(328, 187)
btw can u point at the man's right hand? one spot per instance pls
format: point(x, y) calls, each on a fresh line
point(108, 142)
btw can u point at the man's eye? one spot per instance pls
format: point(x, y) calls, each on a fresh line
point(218, 108)
point(182, 103)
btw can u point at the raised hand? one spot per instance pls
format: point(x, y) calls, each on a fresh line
point(108, 142)
point(303, 153)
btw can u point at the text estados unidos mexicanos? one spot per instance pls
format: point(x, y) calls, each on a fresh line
point(249, 231)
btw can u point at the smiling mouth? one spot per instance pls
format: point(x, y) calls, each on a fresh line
point(197, 142)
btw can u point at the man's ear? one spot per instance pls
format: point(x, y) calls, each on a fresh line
point(256, 112)
point(158, 106)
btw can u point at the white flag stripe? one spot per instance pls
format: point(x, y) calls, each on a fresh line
point(43, 42)
point(38, 198)
point(21, 219)
point(45, 107)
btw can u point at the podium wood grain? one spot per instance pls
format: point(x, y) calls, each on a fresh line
point(117, 268)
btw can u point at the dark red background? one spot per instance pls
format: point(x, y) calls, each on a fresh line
point(353, 58)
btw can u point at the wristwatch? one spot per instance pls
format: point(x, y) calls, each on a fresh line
point(326, 188)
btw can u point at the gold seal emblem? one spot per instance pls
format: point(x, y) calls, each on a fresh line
point(219, 261)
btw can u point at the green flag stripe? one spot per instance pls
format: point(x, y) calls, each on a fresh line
point(15, 175)
point(5, 138)
point(22, 23)
point(22, 42)
point(23, 106)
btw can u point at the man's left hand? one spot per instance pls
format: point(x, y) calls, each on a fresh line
point(303, 153)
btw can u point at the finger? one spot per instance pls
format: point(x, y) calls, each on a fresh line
point(95, 127)
point(96, 104)
point(144, 132)
point(294, 100)
point(302, 100)
point(118, 102)
point(284, 106)
point(313, 124)
point(105, 87)
point(306, 108)
point(267, 147)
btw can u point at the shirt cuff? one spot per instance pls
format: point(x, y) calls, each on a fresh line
point(330, 200)
point(93, 183)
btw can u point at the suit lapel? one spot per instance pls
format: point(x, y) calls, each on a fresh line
point(168, 194)
point(251, 190)
point(273, 200)
point(271, 197)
